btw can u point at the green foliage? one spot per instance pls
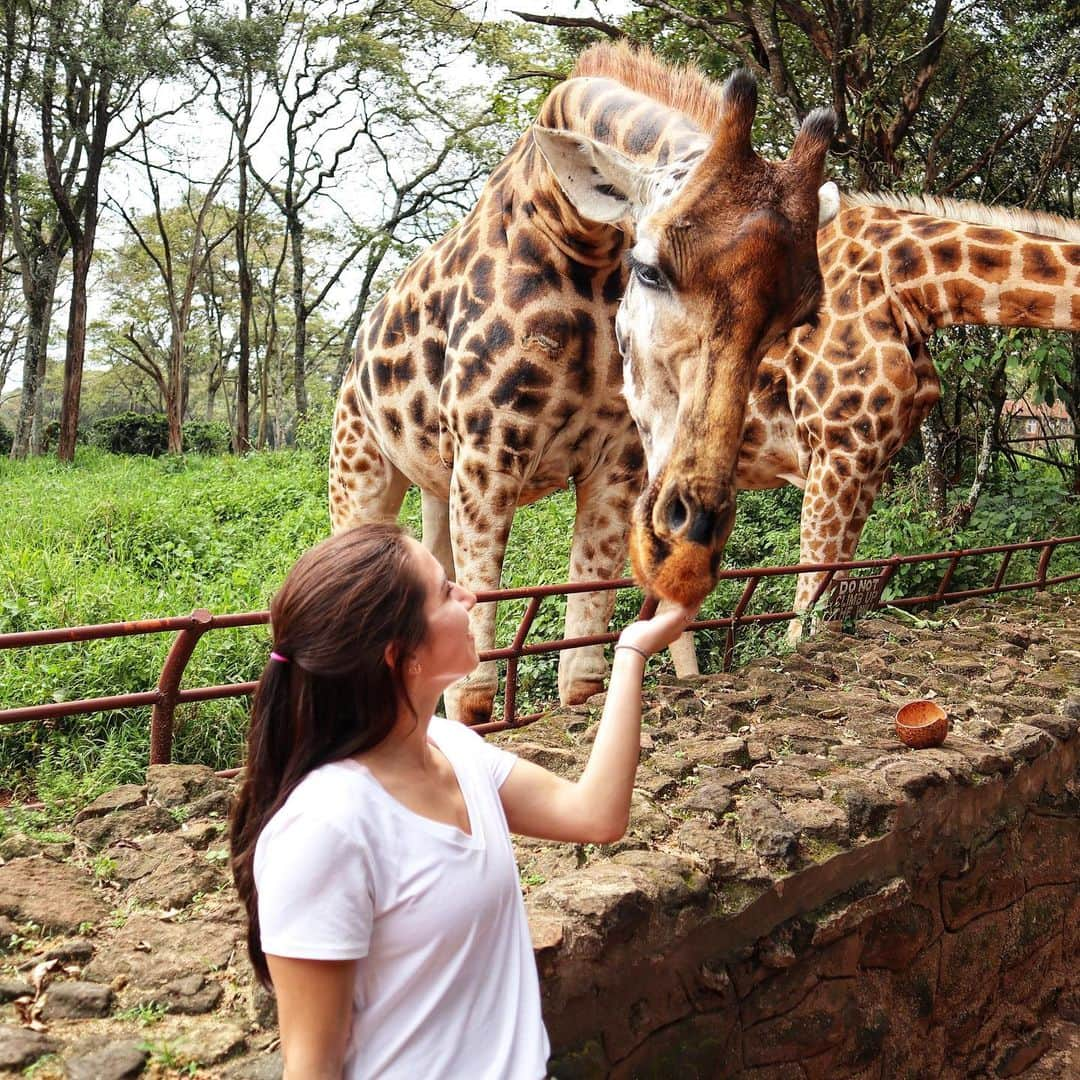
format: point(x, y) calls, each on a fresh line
point(207, 437)
point(132, 433)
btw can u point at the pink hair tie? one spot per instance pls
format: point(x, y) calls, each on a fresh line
point(279, 658)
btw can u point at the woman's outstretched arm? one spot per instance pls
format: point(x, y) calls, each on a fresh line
point(595, 808)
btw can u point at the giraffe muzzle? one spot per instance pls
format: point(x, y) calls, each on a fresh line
point(677, 542)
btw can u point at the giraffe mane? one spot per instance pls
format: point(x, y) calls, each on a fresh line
point(680, 88)
point(974, 213)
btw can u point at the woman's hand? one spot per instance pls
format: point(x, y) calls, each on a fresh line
point(652, 635)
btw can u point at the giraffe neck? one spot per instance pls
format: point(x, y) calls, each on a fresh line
point(944, 272)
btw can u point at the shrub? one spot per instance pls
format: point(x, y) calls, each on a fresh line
point(314, 430)
point(132, 433)
point(207, 437)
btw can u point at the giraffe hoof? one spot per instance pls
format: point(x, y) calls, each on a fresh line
point(580, 692)
point(469, 706)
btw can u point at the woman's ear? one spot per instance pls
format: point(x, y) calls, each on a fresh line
point(392, 654)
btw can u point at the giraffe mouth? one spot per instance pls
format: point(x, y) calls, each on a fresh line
point(673, 556)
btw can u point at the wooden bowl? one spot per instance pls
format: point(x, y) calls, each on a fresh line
point(920, 724)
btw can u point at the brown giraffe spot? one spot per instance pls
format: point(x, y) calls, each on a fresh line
point(375, 319)
point(906, 260)
point(879, 235)
point(992, 264)
point(1075, 319)
point(820, 384)
point(1071, 254)
point(521, 388)
point(947, 256)
point(985, 235)
point(845, 406)
point(871, 288)
point(392, 420)
point(1042, 266)
point(839, 437)
point(830, 485)
point(1027, 307)
point(929, 228)
point(879, 400)
point(897, 369)
point(799, 363)
point(846, 501)
point(434, 361)
point(859, 374)
point(845, 301)
point(964, 300)
point(842, 467)
point(365, 383)
point(481, 278)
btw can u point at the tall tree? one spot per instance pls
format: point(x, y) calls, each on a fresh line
point(180, 268)
point(95, 57)
point(237, 53)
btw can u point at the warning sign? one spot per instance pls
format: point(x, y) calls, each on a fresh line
point(853, 597)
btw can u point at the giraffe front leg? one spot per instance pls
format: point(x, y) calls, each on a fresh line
point(599, 550)
point(482, 504)
point(836, 505)
point(435, 515)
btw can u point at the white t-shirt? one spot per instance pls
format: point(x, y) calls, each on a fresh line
point(446, 984)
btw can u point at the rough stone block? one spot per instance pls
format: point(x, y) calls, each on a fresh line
point(56, 896)
point(118, 1061)
point(820, 1021)
point(20, 1047)
point(76, 1000)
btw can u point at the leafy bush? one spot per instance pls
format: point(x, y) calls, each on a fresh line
point(6, 439)
point(207, 437)
point(314, 430)
point(132, 433)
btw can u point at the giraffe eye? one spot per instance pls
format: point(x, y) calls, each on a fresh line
point(650, 276)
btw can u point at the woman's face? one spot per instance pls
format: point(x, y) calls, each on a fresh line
point(448, 651)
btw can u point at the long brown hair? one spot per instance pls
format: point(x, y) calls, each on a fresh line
point(338, 609)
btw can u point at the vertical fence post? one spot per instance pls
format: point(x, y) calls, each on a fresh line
point(1044, 564)
point(736, 615)
point(168, 688)
point(510, 691)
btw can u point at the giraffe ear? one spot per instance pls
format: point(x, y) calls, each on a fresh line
point(603, 184)
point(828, 203)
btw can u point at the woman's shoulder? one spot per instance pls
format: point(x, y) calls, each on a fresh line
point(330, 795)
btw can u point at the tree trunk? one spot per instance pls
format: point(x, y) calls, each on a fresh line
point(242, 440)
point(174, 403)
point(935, 474)
point(39, 305)
point(75, 354)
point(296, 242)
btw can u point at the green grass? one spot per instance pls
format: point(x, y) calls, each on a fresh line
point(119, 538)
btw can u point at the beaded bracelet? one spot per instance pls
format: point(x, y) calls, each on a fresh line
point(641, 652)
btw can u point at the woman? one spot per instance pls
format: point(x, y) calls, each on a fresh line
point(371, 839)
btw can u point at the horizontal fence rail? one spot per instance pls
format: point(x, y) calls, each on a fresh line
point(853, 588)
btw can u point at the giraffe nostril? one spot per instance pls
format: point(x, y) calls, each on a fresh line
point(677, 513)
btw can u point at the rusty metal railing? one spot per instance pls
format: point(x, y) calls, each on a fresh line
point(190, 628)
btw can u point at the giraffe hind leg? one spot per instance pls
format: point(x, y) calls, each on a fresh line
point(365, 486)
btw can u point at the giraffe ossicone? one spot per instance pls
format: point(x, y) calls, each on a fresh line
point(490, 374)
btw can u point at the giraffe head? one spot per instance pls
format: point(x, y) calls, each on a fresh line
point(724, 261)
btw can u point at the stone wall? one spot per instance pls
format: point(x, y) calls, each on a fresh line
point(798, 896)
point(801, 896)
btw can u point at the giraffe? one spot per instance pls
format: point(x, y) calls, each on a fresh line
point(489, 375)
point(833, 403)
